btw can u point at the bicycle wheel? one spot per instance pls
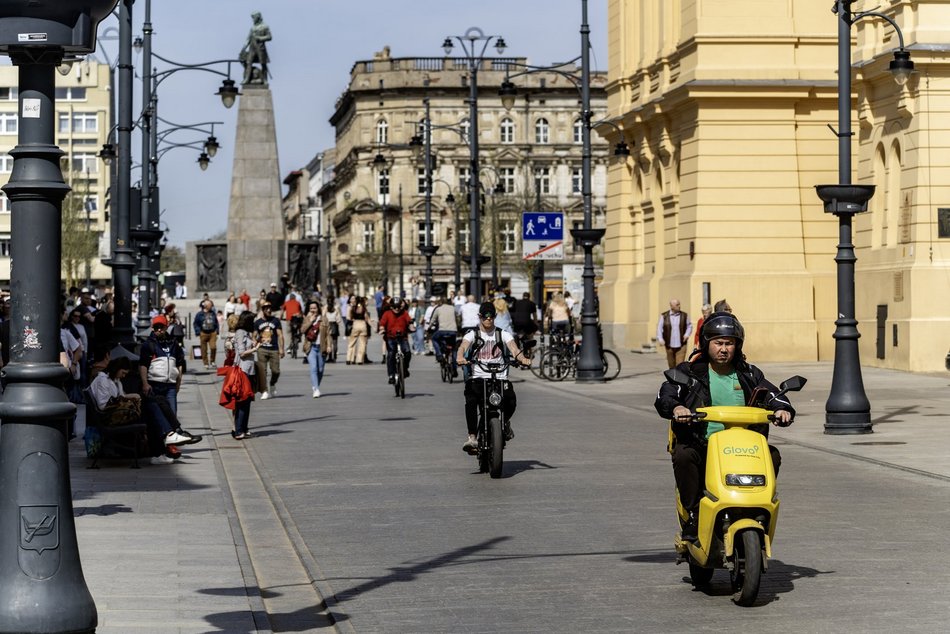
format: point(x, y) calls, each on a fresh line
point(555, 365)
point(496, 446)
point(445, 373)
point(400, 377)
point(611, 364)
point(536, 363)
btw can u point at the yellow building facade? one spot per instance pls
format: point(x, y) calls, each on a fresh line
point(728, 104)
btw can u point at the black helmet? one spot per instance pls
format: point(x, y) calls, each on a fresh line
point(486, 310)
point(721, 325)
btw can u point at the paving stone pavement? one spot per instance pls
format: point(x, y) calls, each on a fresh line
point(360, 508)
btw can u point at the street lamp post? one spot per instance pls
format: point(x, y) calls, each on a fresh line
point(848, 410)
point(40, 569)
point(428, 249)
point(470, 42)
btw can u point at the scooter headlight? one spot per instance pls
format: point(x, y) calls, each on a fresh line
point(745, 480)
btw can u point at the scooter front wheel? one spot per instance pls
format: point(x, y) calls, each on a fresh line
point(746, 573)
point(698, 575)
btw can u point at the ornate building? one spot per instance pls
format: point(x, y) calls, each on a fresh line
point(728, 107)
point(83, 114)
point(530, 156)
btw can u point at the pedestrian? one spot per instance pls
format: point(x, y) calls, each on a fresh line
point(427, 324)
point(673, 331)
point(503, 316)
point(230, 306)
point(206, 329)
point(378, 297)
point(311, 327)
point(276, 298)
point(244, 351)
point(417, 313)
point(707, 311)
point(334, 326)
point(469, 314)
point(722, 306)
point(270, 336)
point(359, 320)
point(558, 316)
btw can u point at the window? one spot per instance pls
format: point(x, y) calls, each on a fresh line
point(88, 163)
point(6, 164)
point(577, 180)
point(8, 123)
point(421, 227)
point(71, 93)
point(9, 94)
point(465, 233)
point(507, 131)
point(81, 122)
point(5, 247)
point(507, 179)
point(382, 131)
point(578, 131)
point(464, 177)
point(421, 180)
point(382, 185)
point(542, 131)
point(466, 126)
point(422, 130)
point(542, 180)
point(4, 203)
point(509, 241)
point(91, 205)
point(369, 237)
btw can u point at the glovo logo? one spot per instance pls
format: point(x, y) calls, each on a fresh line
point(741, 451)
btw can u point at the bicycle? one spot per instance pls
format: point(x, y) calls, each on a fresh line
point(557, 364)
point(295, 323)
point(400, 367)
point(446, 368)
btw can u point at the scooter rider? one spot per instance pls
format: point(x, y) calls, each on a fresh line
point(723, 377)
point(489, 349)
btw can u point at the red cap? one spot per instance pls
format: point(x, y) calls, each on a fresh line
point(160, 319)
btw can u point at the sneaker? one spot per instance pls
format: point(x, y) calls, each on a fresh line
point(207, 367)
point(508, 432)
point(172, 452)
point(392, 380)
point(471, 445)
point(237, 436)
point(163, 459)
point(273, 391)
point(193, 438)
point(265, 396)
point(316, 393)
point(174, 438)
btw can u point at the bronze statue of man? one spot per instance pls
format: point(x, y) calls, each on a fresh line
point(255, 52)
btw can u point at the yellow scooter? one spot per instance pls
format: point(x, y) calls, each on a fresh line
point(739, 509)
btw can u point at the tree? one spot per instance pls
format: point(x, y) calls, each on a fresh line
point(80, 245)
point(173, 259)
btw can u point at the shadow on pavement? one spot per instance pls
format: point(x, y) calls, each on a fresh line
point(653, 556)
point(102, 510)
point(514, 467)
point(779, 579)
point(303, 620)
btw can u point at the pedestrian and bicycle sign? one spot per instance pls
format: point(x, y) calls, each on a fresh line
point(542, 235)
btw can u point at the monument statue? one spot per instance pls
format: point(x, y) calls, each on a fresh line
point(302, 260)
point(254, 54)
point(212, 268)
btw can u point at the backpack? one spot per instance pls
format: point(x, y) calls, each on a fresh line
point(209, 322)
point(479, 342)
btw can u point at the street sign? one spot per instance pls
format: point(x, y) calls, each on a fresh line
point(542, 235)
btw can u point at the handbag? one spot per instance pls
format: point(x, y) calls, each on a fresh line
point(334, 329)
point(121, 411)
point(348, 328)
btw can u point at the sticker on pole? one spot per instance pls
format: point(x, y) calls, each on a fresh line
point(542, 235)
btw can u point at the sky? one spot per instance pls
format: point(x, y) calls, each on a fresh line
point(315, 45)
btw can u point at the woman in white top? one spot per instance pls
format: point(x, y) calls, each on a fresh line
point(108, 385)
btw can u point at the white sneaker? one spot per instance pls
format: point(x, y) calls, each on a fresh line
point(162, 459)
point(174, 438)
point(273, 391)
point(316, 393)
point(471, 445)
point(265, 396)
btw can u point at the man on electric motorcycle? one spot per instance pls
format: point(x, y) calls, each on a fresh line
point(723, 377)
point(488, 345)
point(395, 325)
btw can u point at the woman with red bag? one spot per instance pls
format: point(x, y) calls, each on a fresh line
point(311, 327)
point(237, 393)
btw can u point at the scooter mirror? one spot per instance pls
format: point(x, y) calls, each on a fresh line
point(677, 377)
point(793, 384)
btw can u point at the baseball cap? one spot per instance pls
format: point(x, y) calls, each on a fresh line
point(273, 284)
point(160, 320)
point(487, 309)
point(265, 305)
point(84, 290)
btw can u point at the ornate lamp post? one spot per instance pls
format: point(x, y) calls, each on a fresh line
point(40, 570)
point(847, 410)
point(590, 365)
point(470, 43)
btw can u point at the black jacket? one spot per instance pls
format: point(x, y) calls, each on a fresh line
point(750, 378)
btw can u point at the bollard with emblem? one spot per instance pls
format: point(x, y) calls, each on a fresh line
point(42, 588)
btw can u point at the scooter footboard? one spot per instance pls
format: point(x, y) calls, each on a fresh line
point(729, 538)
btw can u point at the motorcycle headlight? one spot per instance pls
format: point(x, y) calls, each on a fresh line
point(494, 399)
point(745, 480)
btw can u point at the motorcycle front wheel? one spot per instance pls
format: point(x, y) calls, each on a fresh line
point(496, 447)
point(746, 573)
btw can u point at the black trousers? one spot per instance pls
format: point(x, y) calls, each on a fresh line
point(689, 469)
point(475, 395)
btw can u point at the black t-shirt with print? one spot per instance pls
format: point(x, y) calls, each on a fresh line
point(267, 329)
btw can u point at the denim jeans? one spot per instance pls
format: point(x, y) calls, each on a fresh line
point(242, 415)
point(165, 391)
point(316, 362)
point(419, 339)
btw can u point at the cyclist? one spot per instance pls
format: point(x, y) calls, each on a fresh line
point(395, 326)
point(489, 345)
point(444, 324)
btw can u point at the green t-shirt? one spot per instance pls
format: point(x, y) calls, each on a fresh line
point(724, 389)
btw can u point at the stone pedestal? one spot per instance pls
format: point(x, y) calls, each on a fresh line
point(256, 237)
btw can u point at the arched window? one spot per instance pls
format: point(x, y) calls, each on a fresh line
point(466, 126)
point(382, 131)
point(578, 131)
point(542, 131)
point(507, 130)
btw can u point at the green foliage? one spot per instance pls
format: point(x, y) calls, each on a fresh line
point(173, 259)
point(80, 244)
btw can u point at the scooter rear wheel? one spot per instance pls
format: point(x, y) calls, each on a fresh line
point(746, 573)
